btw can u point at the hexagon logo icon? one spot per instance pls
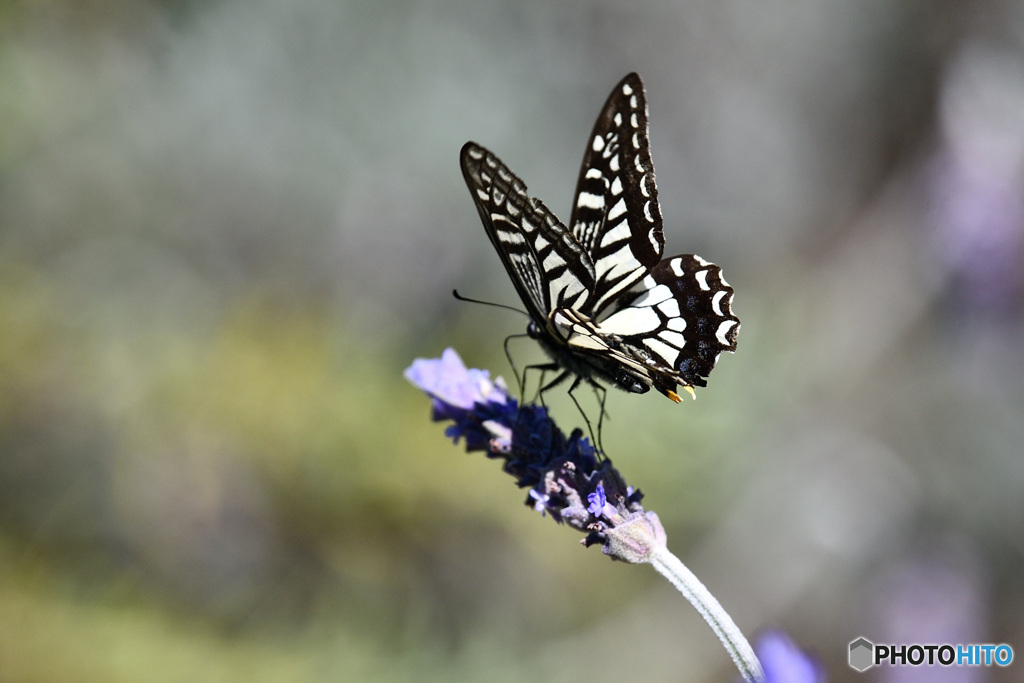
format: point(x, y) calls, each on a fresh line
point(862, 654)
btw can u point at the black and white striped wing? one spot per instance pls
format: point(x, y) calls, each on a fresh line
point(616, 217)
point(603, 300)
point(681, 317)
point(547, 264)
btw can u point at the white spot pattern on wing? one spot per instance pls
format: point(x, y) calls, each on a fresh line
point(632, 321)
point(723, 329)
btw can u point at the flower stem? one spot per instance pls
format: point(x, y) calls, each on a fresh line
point(670, 566)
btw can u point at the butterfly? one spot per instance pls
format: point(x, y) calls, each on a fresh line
point(602, 302)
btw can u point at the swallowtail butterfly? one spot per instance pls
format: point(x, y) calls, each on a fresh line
point(603, 303)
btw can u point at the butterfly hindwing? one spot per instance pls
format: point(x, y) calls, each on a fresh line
point(682, 317)
point(546, 263)
point(615, 214)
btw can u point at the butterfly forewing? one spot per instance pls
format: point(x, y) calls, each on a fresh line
point(546, 263)
point(615, 215)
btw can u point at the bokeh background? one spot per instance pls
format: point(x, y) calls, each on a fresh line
point(226, 227)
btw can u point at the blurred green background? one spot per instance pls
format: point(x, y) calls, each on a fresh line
point(226, 227)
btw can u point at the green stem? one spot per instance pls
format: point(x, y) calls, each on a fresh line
point(669, 566)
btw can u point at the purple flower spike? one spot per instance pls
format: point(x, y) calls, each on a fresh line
point(565, 477)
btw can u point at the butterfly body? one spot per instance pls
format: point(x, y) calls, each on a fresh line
point(603, 303)
point(578, 345)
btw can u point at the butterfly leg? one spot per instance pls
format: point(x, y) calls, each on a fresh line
point(562, 376)
point(520, 379)
point(590, 427)
point(541, 387)
point(601, 393)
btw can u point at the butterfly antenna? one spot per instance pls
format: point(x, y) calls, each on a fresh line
point(458, 296)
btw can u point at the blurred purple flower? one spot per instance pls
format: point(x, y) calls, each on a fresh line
point(975, 183)
point(565, 476)
point(784, 662)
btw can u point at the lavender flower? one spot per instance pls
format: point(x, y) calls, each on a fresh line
point(567, 480)
point(468, 397)
point(563, 472)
